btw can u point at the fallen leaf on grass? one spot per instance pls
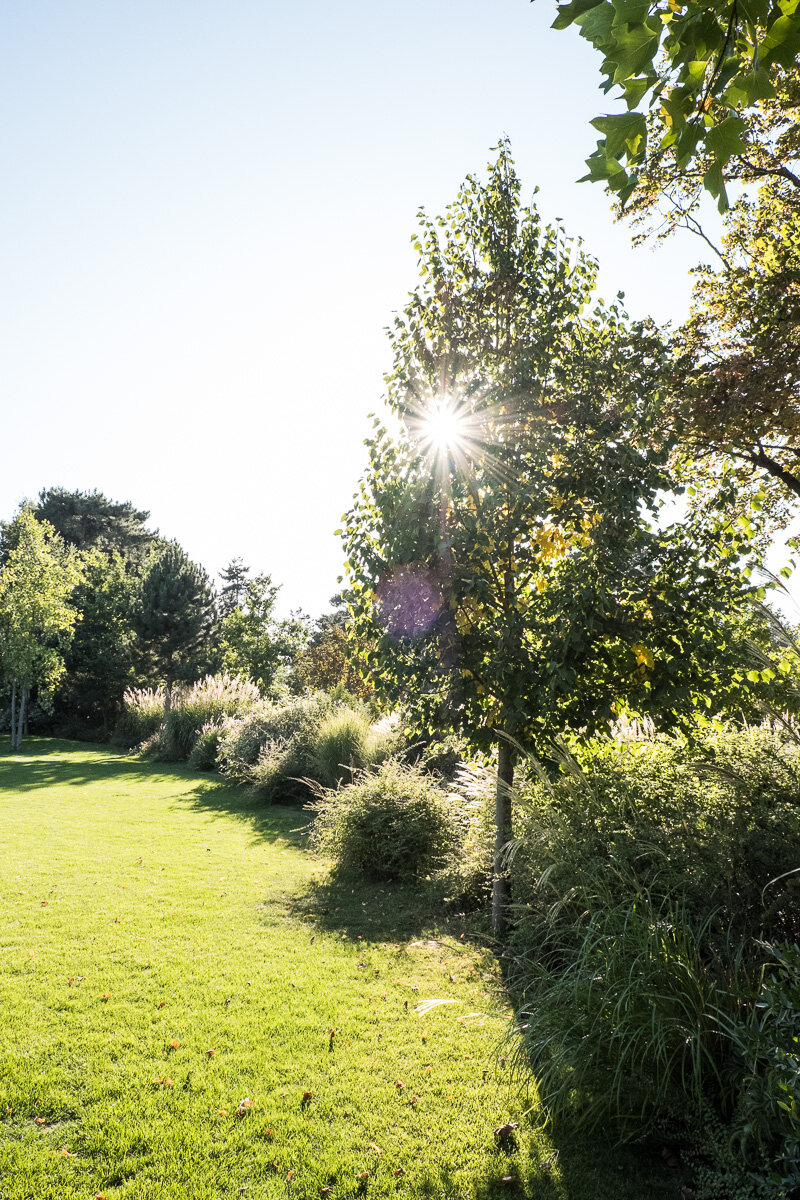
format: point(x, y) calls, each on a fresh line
point(372, 1146)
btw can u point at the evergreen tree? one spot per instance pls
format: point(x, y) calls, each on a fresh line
point(234, 586)
point(172, 614)
point(90, 520)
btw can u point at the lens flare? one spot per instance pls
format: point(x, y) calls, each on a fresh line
point(444, 427)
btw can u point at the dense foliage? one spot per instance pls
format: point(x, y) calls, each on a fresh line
point(708, 72)
point(37, 578)
point(657, 904)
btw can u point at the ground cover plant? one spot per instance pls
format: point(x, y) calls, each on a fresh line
point(192, 1007)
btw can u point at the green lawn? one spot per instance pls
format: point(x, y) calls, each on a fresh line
point(172, 964)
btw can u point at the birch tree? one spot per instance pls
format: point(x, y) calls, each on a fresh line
point(36, 617)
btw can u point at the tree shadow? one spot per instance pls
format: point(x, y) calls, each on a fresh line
point(267, 822)
point(45, 762)
point(566, 1167)
point(355, 908)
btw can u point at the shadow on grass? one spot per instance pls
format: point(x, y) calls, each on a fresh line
point(46, 762)
point(356, 908)
point(574, 1168)
point(267, 822)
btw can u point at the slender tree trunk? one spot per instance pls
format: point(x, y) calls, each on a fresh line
point(14, 716)
point(21, 725)
point(502, 835)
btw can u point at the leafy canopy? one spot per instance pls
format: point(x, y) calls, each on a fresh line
point(253, 642)
point(510, 574)
point(703, 68)
point(36, 617)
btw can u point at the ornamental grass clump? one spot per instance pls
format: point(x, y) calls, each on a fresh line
point(393, 823)
point(142, 715)
point(346, 742)
point(209, 701)
point(656, 887)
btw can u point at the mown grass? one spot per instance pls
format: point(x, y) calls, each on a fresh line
point(169, 950)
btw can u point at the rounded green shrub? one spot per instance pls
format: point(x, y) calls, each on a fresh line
point(203, 755)
point(390, 824)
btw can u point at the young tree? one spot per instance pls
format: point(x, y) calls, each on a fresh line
point(36, 617)
point(504, 555)
point(172, 614)
point(253, 643)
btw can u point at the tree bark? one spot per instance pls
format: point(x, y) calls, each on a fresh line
point(21, 725)
point(502, 835)
point(13, 716)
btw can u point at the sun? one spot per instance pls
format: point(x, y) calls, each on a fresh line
point(443, 427)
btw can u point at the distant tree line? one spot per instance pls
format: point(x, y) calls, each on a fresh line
point(93, 601)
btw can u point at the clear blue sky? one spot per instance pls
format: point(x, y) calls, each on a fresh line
point(205, 222)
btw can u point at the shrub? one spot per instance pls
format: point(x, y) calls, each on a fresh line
point(646, 877)
point(713, 825)
point(141, 716)
point(203, 756)
point(269, 728)
point(390, 824)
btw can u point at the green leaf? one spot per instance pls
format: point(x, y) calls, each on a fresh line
point(624, 132)
point(635, 89)
point(568, 13)
point(595, 24)
point(726, 139)
point(714, 183)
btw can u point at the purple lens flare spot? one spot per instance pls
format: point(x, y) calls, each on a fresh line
point(408, 601)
